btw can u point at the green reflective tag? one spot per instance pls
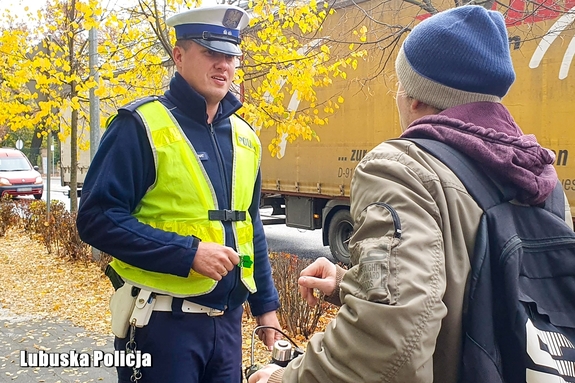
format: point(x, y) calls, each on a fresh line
point(245, 261)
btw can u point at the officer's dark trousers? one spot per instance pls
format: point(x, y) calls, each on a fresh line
point(189, 348)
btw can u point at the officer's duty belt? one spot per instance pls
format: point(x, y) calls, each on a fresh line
point(164, 303)
point(226, 215)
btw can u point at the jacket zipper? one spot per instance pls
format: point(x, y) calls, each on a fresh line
point(220, 164)
point(226, 187)
point(394, 216)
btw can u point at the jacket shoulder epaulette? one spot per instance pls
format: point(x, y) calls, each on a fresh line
point(132, 106)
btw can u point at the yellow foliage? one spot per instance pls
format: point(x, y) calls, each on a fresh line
point(284, 64)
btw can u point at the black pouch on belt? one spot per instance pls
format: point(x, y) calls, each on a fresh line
point(116, 280)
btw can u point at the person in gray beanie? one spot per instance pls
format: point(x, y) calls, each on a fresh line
point(402, 302)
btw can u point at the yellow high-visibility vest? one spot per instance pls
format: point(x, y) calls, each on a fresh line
point(182, 195)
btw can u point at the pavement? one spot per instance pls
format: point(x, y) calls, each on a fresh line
point(47, 341)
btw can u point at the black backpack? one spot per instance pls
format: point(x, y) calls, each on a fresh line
point(519, 322)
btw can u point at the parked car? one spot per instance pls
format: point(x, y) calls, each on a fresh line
point(17, 175)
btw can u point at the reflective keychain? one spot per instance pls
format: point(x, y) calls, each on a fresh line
point(245, 262)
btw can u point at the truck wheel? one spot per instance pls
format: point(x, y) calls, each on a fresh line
point(38, 196)
point(340, 229)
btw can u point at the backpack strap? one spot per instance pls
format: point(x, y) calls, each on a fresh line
point(486, 191)
point(555, 203)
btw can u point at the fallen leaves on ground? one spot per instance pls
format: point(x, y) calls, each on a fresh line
point(37, 283)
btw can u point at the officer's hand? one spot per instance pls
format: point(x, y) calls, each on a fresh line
point(214, 260)
point(319, 275)
point(262, 375)
point(269, 336)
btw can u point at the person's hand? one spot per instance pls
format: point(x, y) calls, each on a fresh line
point(319, 275)
point(269, 336)
point(214, 260)
point(262, 375)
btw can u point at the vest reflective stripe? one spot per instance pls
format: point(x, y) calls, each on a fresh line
point(182, 194)
point(248, 147)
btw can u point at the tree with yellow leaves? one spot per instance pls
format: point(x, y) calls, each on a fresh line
point(47, 66)
point(46, 77)
point(287, 59)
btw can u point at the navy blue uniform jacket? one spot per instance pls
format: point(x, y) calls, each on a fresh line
point(123, 169)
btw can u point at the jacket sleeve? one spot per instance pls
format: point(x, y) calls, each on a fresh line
point(386, 328)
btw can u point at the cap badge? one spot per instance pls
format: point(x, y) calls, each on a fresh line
point(232, 18)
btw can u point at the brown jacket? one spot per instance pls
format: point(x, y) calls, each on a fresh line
point(402, 302)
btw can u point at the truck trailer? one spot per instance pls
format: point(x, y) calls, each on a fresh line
point(307, 183)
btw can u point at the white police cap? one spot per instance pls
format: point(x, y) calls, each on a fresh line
point(216, 28)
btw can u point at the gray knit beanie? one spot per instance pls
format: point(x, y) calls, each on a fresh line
point(456, 57)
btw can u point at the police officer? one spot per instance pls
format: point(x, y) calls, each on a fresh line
point(173, 195)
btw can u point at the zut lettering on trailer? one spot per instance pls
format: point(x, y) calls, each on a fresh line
point(357, 154)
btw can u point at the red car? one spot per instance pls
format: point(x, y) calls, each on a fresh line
point(17, 175)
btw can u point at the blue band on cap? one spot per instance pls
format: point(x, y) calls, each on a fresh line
point(185, 30)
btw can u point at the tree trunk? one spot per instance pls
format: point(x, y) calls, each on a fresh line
point(37, 139)
point(74, 157)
